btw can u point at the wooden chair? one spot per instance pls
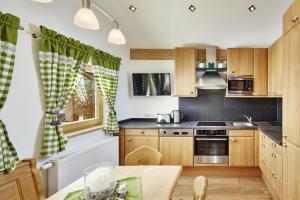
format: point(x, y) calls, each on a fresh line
point(23, 183)
point(144, 155)
point(200, 188)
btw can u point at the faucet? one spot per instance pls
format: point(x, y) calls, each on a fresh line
point(249, 119)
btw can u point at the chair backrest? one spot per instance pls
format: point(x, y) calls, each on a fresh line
point(144, 155)
point(200, 188)
point(23, 183)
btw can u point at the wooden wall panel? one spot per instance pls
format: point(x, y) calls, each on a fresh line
point(151, 54)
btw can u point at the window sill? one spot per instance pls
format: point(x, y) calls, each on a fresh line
point(83, 131)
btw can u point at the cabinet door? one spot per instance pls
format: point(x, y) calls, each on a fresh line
point(240, 61)
point(241, 151)
point(291, 173)
point(177, 151)
point(278, 68)
point(291, 94)
point(271, 63)
point(134, 142)
point(291, 16)
point(260, 72)
point(185, 72)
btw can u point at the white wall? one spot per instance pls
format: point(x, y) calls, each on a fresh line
point(23, 111)
point(145, 107)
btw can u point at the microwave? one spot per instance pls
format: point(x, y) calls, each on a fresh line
point(241, 85)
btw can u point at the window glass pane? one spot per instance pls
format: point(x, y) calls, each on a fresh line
point(82, 104)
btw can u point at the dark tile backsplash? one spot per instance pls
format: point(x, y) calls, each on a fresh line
point(211, 105)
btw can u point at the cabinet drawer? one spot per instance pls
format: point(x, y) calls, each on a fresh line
point(276, 163)
point(276, 147)
point(276, 182)
point(241, 133)
point(141, 132)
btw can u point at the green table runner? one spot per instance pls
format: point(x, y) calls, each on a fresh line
point(133, 185)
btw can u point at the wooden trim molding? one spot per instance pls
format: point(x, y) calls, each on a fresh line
point(151, 54)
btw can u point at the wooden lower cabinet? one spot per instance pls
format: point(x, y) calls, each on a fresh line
point(241, 151)
point(177, 151)
point(291, 172)
point(134, 142)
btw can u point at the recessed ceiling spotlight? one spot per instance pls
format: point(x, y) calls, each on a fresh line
point(252, 8)
point(132, 8)
point(192, 8)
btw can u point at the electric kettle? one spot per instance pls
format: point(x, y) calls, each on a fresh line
point(177, 116)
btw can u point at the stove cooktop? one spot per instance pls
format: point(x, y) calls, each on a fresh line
point(210, 124)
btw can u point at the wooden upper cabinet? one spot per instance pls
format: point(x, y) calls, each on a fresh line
point(291, 173)
point(291, 94)
point(291, 16)
point(275, 68)
point(240, 61)
point(185, 72)
point(177, 151)
point(260, 72)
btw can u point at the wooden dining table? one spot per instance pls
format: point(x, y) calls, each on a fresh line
point(158, 182)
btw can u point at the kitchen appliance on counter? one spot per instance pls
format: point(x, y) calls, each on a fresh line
point(211, 143)
point(176, 132)
point(163, 118)
point(240, 85)
point(177, 116)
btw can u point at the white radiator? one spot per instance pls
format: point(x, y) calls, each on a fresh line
point(69, 168)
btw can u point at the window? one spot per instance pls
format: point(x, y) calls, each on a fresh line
point(85, 107)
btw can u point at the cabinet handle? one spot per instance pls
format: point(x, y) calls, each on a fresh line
point(284, 145)
point(273, 155)
point(263, 145)
point(295, 18)
point(234, 140)
point(273, 144)
point(263, 137)
point(274, 176)
point(263, 162)
point(192, 92)
point(284, 136)
point(129, 139)
point(142, 132)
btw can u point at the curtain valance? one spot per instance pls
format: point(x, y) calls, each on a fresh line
point(106, 60)
point(9, 25)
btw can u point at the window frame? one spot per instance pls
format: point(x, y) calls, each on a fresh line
point(97, 122)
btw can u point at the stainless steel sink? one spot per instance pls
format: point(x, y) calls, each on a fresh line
point(242, 124)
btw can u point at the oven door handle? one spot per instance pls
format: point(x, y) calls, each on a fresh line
point(211, 139)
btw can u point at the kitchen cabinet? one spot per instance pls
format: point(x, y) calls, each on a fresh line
point(241, 148)
point(135, 138)
point(260, 72)
point(291, 16)
point(291, 174)
point(177, 151)
point(271, 164)
point(275, 68)
point(240, 61)
point(291, 94)
point(185, 72)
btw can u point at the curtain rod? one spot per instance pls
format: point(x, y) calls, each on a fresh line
point(34, 35)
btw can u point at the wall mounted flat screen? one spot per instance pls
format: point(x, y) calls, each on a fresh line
point(151, 84)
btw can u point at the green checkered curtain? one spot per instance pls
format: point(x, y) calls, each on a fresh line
point(61, 62)
point(9, 26)
point(106, 72)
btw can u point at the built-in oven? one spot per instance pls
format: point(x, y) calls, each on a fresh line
point(210, 147)
point(240, 85)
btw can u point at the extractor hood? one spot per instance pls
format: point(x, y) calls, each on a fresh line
point(211, 78)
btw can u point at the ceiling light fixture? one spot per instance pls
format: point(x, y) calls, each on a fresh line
point(192, 8)
point(42, 1)
point(132, 8)
point(115, 36)
point(85, 18)
point(252, 8)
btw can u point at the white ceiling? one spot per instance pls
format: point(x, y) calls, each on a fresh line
point(223, 23)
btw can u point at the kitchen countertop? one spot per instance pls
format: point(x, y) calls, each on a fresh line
point(272, 130)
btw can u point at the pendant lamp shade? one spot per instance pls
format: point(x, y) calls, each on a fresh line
point(85, 18)
point(42, 1)
point(116, 36)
